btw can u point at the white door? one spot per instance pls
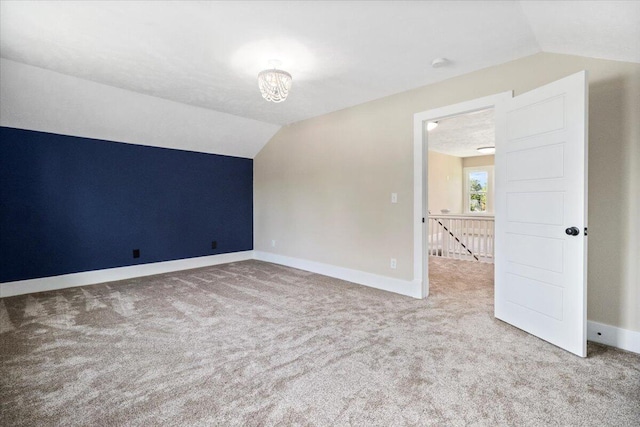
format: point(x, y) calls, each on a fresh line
point(541, 193)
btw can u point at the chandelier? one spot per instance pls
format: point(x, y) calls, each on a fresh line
point(274, 84)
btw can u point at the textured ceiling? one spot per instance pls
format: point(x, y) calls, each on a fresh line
point(208, 54)
point(461, 136)
point(340, 54)
point(597, 29)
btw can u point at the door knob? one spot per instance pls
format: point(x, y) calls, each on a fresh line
point(572, 231)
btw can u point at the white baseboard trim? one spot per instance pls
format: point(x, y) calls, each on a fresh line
point(613, 336)
point(20, 287)
point(398, 286)
point(597, 332)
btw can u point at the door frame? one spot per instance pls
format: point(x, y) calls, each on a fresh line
point(420, 165)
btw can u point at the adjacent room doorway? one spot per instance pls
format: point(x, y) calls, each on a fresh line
point(540, 207)
point(460, 184)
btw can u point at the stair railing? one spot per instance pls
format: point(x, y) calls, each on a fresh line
point(467, 237)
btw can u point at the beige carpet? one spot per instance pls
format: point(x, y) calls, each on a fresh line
point(254, 344)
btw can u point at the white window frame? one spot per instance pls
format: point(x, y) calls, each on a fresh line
point(490, 189)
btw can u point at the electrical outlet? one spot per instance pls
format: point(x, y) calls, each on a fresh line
point(394, 263)
point(273, 243)
point(136, 253)
point(394, 197)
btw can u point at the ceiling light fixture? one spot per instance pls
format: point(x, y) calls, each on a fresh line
point(431, 125)
point(274, 84)
point(487, 150)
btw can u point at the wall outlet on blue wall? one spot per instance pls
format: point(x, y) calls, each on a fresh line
point(96, 198)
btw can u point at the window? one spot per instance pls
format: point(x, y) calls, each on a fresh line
point(478, 186)
point(479, 190)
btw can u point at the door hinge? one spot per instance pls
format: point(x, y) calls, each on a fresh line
point(423, 223)
point(585, 231)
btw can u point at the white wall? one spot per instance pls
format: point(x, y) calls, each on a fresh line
point(477, 161)
point(322, 186)
point(37, 99)
point(445, 183)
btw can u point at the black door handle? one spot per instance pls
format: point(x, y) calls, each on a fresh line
point(572, 231)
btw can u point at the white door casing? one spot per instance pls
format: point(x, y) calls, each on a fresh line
point(420, 162)
point(541, 190)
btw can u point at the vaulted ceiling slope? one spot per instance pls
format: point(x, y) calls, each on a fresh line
point(208, 54)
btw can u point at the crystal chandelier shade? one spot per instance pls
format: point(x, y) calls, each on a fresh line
point(274, 84)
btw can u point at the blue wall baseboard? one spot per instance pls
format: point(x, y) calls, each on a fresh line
point(70, 204)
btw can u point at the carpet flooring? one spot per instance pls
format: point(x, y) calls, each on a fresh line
point(257, 344)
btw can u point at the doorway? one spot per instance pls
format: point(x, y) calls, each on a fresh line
point(541, 209)
point(460, 184)
point(421, 159)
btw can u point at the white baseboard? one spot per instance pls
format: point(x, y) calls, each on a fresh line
point(613, 336)
point(390, 284)
point(120, 273)
point(398, 286)
point(597, 332)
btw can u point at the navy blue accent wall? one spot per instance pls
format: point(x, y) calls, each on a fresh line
point(70, 204)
